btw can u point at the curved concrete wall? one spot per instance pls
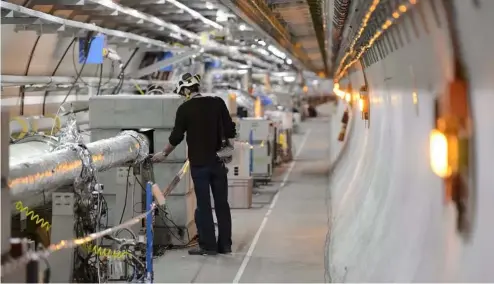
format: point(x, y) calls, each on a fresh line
point(390, 222)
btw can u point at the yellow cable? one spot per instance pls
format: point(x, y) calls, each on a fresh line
point(104, 252)
point(57, 124)
point(139, 88)
point(24, 126)
point(21, 208)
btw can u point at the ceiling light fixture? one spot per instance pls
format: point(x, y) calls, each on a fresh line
point(195, 14)
point(221, 16)
point(289, 79)
point(209, 6)
point(276, 52)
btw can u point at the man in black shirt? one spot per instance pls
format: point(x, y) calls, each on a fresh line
point(200, 118)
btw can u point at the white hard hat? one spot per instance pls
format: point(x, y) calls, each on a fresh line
point(187, 80)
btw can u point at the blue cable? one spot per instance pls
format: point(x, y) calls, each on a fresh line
point(149, 234)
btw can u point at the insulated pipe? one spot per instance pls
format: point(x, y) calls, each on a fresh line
point(33, 180)
point(14, 80)
point(31, 146)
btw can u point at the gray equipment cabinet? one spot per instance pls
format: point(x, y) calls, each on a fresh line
point(153, 116)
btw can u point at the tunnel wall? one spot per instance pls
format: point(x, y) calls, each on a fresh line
point(389, 219)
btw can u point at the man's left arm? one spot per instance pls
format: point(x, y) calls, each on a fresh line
point(178, 132)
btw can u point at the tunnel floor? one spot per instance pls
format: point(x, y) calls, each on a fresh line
point(282, 238)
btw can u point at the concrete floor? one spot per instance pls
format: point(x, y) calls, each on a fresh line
point(282, 238)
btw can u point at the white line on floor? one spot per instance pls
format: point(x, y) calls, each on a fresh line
point(253, 245)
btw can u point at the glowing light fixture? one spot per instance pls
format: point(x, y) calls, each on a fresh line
point(289, 61)
point(348, 97)
point(209, 6)
point(289, 79)
point(276, 52)
point(242, 27)
point(361, 104)
point(221, 16)
point(439, 154)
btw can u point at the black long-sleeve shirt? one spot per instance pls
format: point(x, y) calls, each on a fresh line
point(199, 117)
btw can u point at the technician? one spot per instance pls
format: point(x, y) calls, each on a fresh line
point(202, 118)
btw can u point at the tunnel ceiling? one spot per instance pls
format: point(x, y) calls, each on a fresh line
point(170, 21)
point(296, 24)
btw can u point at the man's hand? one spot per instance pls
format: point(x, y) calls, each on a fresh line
point(158, 157)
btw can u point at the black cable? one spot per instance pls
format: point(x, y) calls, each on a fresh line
point(22, 90)
point(47, 272)
point(121, 75)
point(130, 58)
point(100, 78)
point(45, 95)
point(126, 194)
point(165, 215)
point(78, 76)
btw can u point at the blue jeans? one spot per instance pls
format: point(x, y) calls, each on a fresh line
point(212, 176)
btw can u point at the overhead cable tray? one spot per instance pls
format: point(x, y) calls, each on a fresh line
point(46, 23)
point(16, 14)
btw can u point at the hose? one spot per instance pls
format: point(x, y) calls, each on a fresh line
point(24, 125)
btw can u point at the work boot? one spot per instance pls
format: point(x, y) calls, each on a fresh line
point(200, 251)
point(227, 250)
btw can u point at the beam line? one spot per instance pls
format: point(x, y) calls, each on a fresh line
point(164, 63)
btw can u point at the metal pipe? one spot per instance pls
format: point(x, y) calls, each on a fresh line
point(208, 79)
point(47, 80)
point(32, 181)
point(164, 63)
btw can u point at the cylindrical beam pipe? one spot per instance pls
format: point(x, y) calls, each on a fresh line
point(33, 180)
point(31, 146)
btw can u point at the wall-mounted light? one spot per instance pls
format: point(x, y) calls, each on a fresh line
point(452, 152)
point(361, 104)
point(348, 97)
point(364, 105)
point(439, 154)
